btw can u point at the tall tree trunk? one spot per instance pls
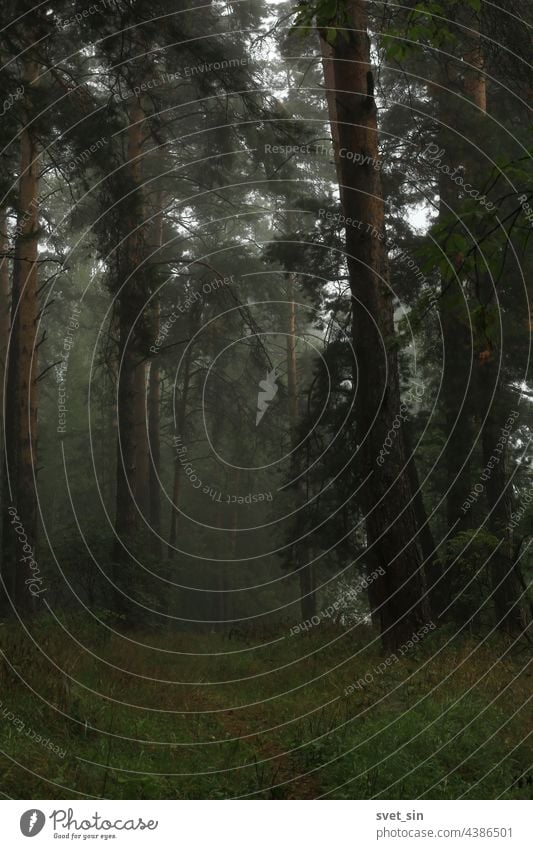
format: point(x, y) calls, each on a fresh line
point(456, 379)
point(154, 409)
point(154, 397)
point(5, 309)
point(292, 367)
point(306, 570)
point(457, 373)
point(5, 297)
point(132, 368)
point(142, 453)
point(432, 564)
point(181, 421)
point(307, 589)
point(21, 389)
point(218, 596)
point(475, 81)
point(510, 608)
point(386, 496)
point(457, 345)
point(235, 519)
point(328, 68)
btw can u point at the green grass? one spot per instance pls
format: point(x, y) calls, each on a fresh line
point(213, 719)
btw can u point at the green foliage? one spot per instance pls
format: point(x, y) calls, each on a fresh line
point(427, 25)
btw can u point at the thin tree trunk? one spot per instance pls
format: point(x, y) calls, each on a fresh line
point(510, 605)
point(176, 488)
point(218, 598)
point(235, 520)
point(386, 497)
point(5, 297)
point(475, 82)
point(308, 589)
point(328, 67)
point(292, 369)
point(432, 565)
point(154, 407)
point(138, 246)
point(142, 454)
point(131, 357)
point(154, 399)
point(457, 344)
point(5, 309)
point(457, 374)
point(510, 608)
point(306, 571)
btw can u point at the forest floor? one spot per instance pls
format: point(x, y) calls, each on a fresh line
point(208, 717)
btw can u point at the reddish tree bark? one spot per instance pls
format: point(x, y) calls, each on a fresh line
point(132, 362)
point(21, 389)
point(386, 496)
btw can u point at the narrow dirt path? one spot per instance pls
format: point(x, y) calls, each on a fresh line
point(279, 767)
point(292, 785)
